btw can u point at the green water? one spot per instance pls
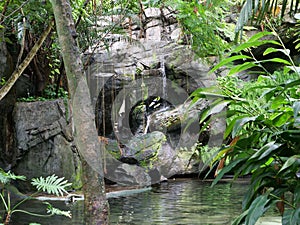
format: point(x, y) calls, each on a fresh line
point(183, 202)
point(176, 202)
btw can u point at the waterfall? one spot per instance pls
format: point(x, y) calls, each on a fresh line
point(148, 120)
point(164, 79)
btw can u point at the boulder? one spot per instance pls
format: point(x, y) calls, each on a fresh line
point(144, 147)
point(44, 141)
point(132, 175)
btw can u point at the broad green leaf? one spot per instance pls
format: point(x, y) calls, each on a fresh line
point(230, 126)
point(229, 60)
point(253, 44)
point(247, 45)
point(266, 150)
point(291, 217)
point(215, 109)
point(212, 91)
point(281, 119)
point(240, 218)
point(269, 93)
point(297, 193)
point(291, 84)
point(259, 35)
point(278, 60)
point(225, 170)
point(271, 50)
point(211, 94)
point(252, 165)
point(242, 67)
point(221, 153)
point(289, 162)
point(278, 102)
point(257, 183)
point(256, 209)
point(240, 123)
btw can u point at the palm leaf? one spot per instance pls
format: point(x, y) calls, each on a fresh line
point(51, 185)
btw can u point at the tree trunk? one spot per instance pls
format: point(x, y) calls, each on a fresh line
point(86, 137)
point(18, 72)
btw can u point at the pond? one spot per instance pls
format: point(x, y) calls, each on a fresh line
point(183, 201)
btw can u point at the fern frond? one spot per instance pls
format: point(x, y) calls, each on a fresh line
point(6, 177)
point(51, 185)
point(56, 211)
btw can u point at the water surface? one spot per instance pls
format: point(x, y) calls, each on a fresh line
point(180, 202)
point(176, 202)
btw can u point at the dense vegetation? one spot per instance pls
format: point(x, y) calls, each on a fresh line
point(263, 119)
point(262, 134)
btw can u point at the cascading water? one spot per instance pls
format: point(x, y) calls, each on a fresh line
point(148, 120)
point(164, 78)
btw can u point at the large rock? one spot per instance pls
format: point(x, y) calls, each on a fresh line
point(145, 147)
point(132, 175)
point(44, 141)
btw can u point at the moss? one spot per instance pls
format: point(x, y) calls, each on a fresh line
point(113, 148)
point(77, 177)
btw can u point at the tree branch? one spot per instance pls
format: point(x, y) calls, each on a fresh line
point(18, 72)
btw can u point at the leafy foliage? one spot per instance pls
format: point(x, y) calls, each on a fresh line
point(204, 25)
point(262, 130)
point(51, 184)
point(49, 93)
point(6, 177)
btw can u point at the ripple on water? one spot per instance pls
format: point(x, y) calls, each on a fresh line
point(180, 202)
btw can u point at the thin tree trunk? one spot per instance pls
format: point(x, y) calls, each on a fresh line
point(18, 72)
point(86, 137)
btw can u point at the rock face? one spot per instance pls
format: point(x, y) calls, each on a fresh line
point(44, 141)
point(145, 62)
point(139, 89)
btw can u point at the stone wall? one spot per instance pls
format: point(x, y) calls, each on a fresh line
point(45, 142)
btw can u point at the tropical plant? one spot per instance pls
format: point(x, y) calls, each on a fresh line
point(263, 130)
point(51, 185)
point(257, 11)
point(204, 25)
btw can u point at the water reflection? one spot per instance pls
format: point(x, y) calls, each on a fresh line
point(184, 202)
point(176, 202)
